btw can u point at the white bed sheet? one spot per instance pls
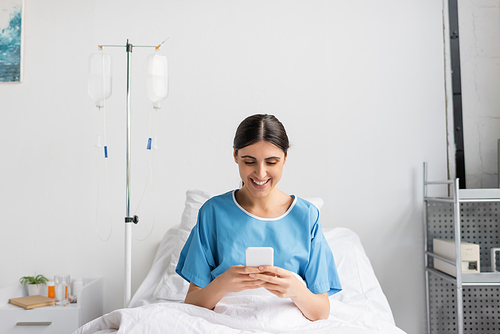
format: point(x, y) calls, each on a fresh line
point(360, 308)
point(254, 312)
point(156, 307)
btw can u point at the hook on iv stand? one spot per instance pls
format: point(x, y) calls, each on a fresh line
point(134, 219)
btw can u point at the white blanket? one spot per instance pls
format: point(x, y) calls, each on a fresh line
point(256, 311)
point(361, 307)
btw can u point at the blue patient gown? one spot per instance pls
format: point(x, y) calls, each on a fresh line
point(224, 230)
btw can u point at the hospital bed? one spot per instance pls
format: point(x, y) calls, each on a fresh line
point(157, 307)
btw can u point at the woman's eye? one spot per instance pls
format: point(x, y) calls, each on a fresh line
point(269, 163)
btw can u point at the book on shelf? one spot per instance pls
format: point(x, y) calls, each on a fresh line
point(30, 302)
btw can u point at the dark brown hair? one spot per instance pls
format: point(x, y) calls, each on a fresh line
point(256, 128)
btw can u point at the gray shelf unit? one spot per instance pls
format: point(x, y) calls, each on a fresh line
point(467, 303)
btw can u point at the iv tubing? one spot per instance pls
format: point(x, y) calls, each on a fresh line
point(150, 147)
point(105, 146)
point(98, 153)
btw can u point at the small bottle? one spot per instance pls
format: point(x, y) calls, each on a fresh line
point(75, 289)
point(51, 292)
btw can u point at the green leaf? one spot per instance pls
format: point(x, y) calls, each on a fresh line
point(40, 279)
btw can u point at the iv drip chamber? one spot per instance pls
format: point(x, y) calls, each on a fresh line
point(157, 79)
point(99, 79)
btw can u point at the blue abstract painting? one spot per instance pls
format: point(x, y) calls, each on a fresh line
point(11, 23)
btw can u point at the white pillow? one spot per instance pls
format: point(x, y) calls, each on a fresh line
point(171, 285)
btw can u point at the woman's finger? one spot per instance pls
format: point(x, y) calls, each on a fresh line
point(246, 270)
point(277, 271)
point(266, 278)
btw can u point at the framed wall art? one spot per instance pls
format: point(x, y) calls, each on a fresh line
point(11, 40)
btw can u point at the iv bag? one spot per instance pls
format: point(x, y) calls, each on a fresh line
point(99, 80)
point(157, 79)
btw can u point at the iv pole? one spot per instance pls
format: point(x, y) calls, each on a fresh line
point(128, 219)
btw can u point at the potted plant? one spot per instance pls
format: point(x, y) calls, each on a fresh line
point(33, 283)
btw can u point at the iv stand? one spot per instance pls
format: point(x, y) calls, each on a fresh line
point(128, 219)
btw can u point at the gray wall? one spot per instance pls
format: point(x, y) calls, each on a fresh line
point(480, 65)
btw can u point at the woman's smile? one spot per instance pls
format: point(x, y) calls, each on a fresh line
point(259, 183)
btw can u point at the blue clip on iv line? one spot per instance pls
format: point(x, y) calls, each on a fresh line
point(105, 151)
point(149, 144)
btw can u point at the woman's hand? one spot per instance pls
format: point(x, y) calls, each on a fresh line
point(284, 284)
point(234, 279)
point(239, 278)
point(279, 281)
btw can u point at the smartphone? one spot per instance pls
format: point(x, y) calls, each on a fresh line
point(259, 256)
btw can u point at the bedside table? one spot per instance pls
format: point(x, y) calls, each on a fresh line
point(51, 319)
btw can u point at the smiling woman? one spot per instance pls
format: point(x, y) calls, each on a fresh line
point(260, 215)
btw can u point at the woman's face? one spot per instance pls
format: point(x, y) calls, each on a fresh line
point(261, 167)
